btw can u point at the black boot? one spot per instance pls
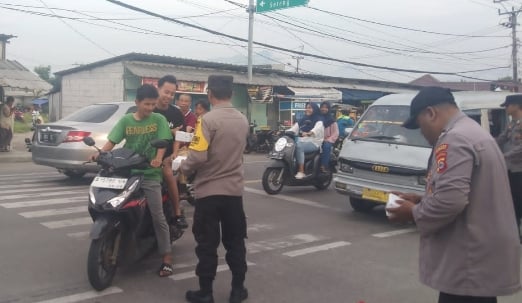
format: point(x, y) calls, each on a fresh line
point(199, 296)
point(238, 295)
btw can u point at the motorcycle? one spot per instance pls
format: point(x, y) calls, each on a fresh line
point(122, 231)
point(36, 119)
point(283, 167)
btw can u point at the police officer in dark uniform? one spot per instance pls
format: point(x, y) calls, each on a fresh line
point(510, 141)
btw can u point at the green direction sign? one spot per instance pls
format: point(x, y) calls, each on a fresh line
point(272, 5)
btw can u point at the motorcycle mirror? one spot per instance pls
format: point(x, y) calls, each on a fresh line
point(158, 143)
point(89, 141)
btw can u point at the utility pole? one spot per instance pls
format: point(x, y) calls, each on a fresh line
point(512, 23)
point(298, 58)
point(251, 9)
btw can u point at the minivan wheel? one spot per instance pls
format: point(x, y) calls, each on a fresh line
point(361, 205)
point(73, 174)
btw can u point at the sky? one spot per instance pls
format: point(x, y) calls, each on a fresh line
point(448, 36)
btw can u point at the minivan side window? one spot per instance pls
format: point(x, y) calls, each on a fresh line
point(384, 123)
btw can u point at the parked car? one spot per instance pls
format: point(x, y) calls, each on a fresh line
point(59, 144)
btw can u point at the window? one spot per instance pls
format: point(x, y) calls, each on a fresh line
point(384, 123)
point(96, 113)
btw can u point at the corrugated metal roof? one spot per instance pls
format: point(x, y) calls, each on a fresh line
point(155, 70)
point(15, 75)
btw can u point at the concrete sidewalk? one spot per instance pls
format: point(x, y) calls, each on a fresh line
point(18, 151)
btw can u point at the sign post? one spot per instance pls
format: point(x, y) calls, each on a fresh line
point(272, 5)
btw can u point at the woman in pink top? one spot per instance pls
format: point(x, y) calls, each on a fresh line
point(331, 133)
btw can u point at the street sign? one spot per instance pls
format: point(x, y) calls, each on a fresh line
point(272, 5)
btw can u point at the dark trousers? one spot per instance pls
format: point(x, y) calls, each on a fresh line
point(448, 298)
point(212, 215)
point(515, 181)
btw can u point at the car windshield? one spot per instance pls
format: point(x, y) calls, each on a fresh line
point(96, 113)
point(383, 123)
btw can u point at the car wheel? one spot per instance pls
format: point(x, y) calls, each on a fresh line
point(361, 205)
point(73, 174)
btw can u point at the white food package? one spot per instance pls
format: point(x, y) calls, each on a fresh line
point(177, 162)
point(182, 136)
point(392, 203)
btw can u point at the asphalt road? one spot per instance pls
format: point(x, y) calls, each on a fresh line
point(304, 246)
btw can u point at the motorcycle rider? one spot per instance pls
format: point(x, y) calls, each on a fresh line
point(344, 121)
point(138, 129)
point(331, 133)
point(311, 135)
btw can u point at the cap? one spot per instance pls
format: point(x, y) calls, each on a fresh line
point(220, 82)
point(428, 96)
point(512, 99)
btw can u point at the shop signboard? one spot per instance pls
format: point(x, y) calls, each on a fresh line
point(192, 87)
point(261, 94)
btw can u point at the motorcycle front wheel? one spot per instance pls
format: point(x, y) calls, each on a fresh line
point(271, 183)
point(101, 261)
point(324, 181)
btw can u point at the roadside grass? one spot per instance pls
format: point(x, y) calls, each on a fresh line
point(25, 126)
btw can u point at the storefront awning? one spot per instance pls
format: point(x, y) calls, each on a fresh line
point(356, 97)
point(315, 94)
point(39, 101)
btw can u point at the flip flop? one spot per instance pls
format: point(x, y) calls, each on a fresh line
point(165, 270)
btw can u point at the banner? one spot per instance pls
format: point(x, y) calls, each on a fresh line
point(191, 87)
point(261, 94)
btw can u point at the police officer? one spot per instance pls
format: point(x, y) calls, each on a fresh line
point(216, 155)
point(510, 141)
point(469, 252)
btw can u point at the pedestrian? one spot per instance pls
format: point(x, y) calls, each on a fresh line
point(310, 129)
point(510, 141)
point(167, 87)
point(138, 129)
point(184, 103)
point(202, 107)
point(216, 153)
point(7, 124)
point(331, 133)
point(469, 251)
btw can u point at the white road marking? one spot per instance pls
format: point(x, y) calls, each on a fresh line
point(259, 227)
point(314, 249)
point(82, 235)
point(67, 223)
point(44, 202)
point(32, 183)
point(84, 296)
point(267, 245)
point(192, 274)
point(251, 162)
point(251, 181)
point(30, 174)
point(50, 194)
point(54, 212)
point(395, 233)
point(39, 190)
point(288, 198)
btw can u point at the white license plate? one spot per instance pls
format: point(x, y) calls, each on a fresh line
point(105, 182)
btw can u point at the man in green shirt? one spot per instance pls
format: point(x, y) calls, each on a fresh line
point(138, 129)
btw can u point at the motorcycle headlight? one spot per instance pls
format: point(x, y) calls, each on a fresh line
point(280, 144)
point(119, 199)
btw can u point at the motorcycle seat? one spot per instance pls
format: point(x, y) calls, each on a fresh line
point(310, 156)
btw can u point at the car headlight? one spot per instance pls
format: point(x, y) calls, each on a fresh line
point(345, 167)
point(422, 180)
point(280, 144)
point(119, 199)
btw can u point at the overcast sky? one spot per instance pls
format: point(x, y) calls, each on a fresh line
point(81, 37)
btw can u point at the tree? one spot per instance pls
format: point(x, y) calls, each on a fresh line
point(506, 79)
point(44, 72)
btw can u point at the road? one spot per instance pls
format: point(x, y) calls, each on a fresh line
point(303, 246)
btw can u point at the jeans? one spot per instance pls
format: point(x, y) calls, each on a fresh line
point(152, 190)
point(449, 298)
point(304, 147)
point(515, 182)
point(325, 155)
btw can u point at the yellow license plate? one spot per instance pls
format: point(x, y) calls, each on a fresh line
point(375, 195)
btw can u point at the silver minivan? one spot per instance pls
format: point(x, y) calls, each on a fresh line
point(380, 155)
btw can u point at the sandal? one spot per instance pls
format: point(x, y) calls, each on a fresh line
point(165, 270)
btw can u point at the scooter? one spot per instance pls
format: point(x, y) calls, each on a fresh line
point(122, 231)
point(283, 167)
point(36, 119)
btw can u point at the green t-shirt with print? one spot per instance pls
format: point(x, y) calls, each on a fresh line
point(138, 134)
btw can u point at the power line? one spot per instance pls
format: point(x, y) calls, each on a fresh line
point(402, 27)
point(134, 8)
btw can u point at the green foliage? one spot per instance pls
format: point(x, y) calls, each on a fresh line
point(25, 126)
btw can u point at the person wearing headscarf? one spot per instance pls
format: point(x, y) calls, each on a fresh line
point(331, 133)
point(311, 135)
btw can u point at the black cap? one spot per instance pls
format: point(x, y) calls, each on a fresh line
point(512, 99)
point(428, 96)
point(220, 82)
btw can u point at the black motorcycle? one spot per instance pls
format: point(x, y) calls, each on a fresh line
point(283, 167)
point(122, 232)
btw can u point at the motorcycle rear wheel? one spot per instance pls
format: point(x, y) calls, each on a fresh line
point(324, 182)
point(101, 267)
point(270, 181)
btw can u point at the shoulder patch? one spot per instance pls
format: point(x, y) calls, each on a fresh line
point(441, 155)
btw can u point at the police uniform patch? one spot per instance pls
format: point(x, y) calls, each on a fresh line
point(441, 156)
